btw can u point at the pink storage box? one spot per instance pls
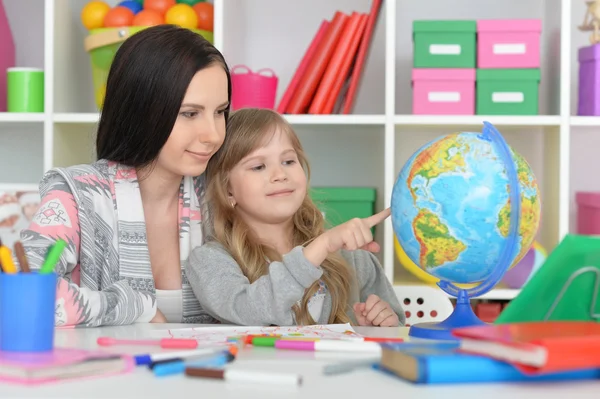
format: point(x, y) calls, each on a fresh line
point(588, 213)
point(508, 43)
point(449, 91)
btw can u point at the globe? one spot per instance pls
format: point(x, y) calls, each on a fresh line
point(465, 208)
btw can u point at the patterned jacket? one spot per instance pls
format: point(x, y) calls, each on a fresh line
point(105, 276)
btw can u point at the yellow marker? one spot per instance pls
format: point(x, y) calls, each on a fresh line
point(6, 260)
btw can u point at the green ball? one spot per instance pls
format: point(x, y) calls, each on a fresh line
point(189, 2)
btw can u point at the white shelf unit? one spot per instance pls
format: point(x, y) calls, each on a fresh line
point(367, 148)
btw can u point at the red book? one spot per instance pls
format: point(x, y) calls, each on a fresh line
point(361, 57)
point(345, 69)
point(334, 67)
point(308, 56)
point(536, 347)
point(314, 72)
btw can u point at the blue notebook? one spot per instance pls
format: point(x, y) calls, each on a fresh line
point(441, 363)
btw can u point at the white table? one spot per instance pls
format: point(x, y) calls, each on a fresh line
point(364, 383)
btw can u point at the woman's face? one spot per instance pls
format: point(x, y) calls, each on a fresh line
point(199, 129)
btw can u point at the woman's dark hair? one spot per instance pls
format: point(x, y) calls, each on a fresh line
point(147, 81)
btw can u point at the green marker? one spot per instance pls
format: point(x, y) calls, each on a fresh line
point(264, 341)
point(52, 257)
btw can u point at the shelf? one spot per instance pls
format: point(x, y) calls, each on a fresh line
point(593, 121)
point(476, 120)
point(81, 117)
point(19, 117)
point(336, 119)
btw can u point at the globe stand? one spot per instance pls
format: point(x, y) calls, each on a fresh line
point(462, 316)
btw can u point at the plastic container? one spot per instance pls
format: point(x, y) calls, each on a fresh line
point(253, 89)
point(507, 91)
point(508, 43)
point(444, 91)
point(588, 212)
point(340, 204)
point(27, 308)
point(589, 81)
point(102, 45)
point(444, 44)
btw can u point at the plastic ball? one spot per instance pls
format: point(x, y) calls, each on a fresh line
point(132, 5)
point(205, 14)
point(148, 18)
point(182, 15)
point(189, 2)
point(159, 5)
point(93, 14)
point(118, 17)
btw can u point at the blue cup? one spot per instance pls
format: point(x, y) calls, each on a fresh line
point(27, 307)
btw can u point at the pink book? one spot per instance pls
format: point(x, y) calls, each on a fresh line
point(61, 364)
point(312, 48)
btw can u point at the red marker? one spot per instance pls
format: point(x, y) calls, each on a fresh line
point(382, 339)
point(165, 343)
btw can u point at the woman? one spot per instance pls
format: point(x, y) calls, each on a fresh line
point(132, 217)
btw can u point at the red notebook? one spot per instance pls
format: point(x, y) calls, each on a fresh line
point(308, 56)
point(361, 57)
point(536, 347)
point(334, 67)
point(314, 71)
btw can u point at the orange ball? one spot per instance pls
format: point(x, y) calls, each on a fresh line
point(205, 13)
point(148, 18)
point(117, 17)
point(159, 5)
point(182, 15)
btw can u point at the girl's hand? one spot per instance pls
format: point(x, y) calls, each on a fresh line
point(354, 234)
point(375, 312)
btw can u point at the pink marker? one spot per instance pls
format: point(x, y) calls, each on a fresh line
point(166, 343)
point(330, 346)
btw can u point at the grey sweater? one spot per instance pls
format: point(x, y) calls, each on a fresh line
point(227, 295)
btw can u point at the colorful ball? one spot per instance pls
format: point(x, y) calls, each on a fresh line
point(205, 14)
point(93, 14)
point(118, 17)
point(132, 5)
point(148, 18)
point(189, 2)
point(182, 15)
point(159, 5)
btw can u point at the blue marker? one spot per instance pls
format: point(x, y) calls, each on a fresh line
point(179, 366)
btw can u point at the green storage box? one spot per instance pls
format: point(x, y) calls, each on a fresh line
point(507, 91)
point(444, 44)
point(340, 204)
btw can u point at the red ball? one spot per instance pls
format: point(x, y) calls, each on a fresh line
point(117, 17)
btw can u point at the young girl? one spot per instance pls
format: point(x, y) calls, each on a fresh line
point(268, 260)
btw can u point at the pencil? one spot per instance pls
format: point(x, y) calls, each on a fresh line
point(6, 260)
point(22, 258)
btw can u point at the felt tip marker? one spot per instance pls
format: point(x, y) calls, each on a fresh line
point(330, 346)
point(144, 360)
point(237, 375)
point(167, 367)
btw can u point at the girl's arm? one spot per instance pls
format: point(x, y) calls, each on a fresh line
point(225, 293)
point(57, 218)
point(373, 281)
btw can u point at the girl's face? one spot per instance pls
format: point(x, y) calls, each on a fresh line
point(199, 129)
point(269, 185)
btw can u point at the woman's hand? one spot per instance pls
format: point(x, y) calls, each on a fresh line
point(375, 312)
point(159, 317)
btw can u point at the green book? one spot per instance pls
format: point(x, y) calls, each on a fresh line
point(565, 288)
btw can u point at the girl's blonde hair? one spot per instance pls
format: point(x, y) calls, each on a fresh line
point(246, 132)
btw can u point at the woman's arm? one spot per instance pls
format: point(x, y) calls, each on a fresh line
point(57, 218)
point(225, 293)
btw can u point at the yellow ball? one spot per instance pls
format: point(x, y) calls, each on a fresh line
point(182, 15)
point(92, 15)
